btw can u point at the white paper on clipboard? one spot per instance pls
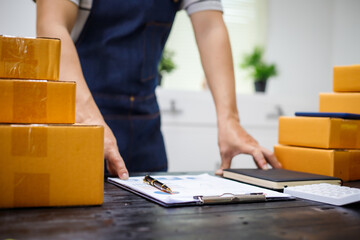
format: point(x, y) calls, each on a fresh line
point(186, 187)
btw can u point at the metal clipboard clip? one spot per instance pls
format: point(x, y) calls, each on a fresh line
point(231, 198)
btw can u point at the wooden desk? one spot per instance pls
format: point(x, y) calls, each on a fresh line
point(125, 215)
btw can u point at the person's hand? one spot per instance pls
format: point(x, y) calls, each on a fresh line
point(234, 140)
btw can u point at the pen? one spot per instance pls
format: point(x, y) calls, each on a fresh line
point(157, 184)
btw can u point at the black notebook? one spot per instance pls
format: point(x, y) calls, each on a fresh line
point(277, 178)
point(328, 114)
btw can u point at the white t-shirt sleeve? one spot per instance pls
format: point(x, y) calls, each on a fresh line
point(193, 6)
point(83, 4)
point(83, 14)
point(77, 2)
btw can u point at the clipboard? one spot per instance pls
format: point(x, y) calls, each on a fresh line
point(227, 198)
point(210, 189)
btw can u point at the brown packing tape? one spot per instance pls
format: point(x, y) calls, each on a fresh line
point(29, 58)
point(354, 167)
point(17, 57)
point(34, 186)
point(341, 164)
point(29, 141)
point(26, 95)
point(348, 133)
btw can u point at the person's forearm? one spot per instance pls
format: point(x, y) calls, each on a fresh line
point(56, 18)
point(214, 47)
point(70, 70)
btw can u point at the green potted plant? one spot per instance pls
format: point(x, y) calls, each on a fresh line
point(166, 64)
point(260, 71)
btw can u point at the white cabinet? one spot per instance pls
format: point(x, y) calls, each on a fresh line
point(190, 130)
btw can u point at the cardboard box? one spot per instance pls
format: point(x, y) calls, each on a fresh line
point(340, 102)
point(346, 78)
point(319, 132)
point(344, 164)
point(37, 101)
point(29, 58)
point(51, 165)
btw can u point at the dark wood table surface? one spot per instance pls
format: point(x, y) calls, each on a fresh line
point(127, 216)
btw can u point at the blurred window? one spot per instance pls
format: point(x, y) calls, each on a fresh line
point(246, 22)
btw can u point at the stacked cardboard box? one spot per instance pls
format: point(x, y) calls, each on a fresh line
point(45, 159)
point(321, 145)
point(346, 95)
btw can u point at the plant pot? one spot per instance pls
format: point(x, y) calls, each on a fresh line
point(160, 77)
point(260, 86)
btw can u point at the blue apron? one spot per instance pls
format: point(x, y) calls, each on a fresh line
point(120, 48)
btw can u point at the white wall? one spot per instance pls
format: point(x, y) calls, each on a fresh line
point(346, 32)
point(18, 18)
point(306, 38)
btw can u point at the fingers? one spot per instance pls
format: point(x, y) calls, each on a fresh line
point(259, 158)
point(262, 157)
point(225, 163)
point(256, 152)
point(234, 140)
point(115, 163)
point(271, 159)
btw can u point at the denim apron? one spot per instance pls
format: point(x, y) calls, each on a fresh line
point(119, 49)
